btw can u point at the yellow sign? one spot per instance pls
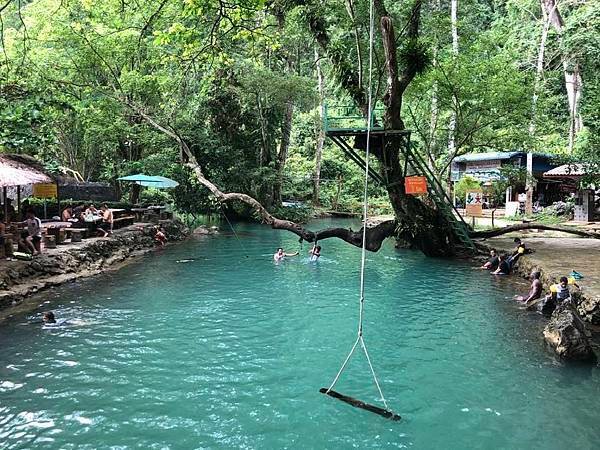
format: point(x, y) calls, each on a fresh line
point(46, 190)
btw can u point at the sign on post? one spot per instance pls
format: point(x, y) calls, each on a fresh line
point(415, 185)
point(474, 203)
point(45, 190)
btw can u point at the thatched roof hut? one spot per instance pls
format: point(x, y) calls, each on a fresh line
point(20, 170)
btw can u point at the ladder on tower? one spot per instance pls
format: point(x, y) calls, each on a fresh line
point(441, 199)
point(343, 123)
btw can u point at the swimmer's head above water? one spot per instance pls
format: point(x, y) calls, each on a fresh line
point(49, 317)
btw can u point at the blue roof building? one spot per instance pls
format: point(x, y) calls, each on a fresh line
point(485, 167)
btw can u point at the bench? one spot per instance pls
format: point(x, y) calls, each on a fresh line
point(76, 234)
point(123, 221)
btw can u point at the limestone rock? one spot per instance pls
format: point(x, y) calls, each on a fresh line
point(544, 305)
point(589, 310)
point(565, 333)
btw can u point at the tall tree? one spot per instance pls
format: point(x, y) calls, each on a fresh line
point(571, 70)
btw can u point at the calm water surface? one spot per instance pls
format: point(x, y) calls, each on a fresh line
point(229, 351)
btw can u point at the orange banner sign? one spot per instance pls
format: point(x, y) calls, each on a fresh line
point(415, 185)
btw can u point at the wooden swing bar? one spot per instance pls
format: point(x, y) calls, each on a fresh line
point(360, 404)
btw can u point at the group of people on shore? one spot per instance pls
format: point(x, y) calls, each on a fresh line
point(29, 240)
point(503, 264)
point(88, 215)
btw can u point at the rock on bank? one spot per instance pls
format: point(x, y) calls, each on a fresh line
point(19, 279)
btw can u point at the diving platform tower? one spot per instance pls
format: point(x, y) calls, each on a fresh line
point(345, 126)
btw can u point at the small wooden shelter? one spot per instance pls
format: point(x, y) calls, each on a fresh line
point(20, 170)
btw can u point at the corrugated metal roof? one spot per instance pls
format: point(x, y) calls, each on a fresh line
point(20, 170)
point(490, 156)
point(566, 170)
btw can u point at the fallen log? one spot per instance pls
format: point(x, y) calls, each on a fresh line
point(533, 226)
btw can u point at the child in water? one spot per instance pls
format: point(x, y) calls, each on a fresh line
point(315, 252)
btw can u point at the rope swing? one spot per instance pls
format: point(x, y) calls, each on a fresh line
point(387, 413)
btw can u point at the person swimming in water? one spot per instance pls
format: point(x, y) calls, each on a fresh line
point(280, 254)
point(315, 253)
point(48, 318)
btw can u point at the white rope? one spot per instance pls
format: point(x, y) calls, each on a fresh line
point(363, 257)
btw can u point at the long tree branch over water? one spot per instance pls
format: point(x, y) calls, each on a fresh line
point(376, 233)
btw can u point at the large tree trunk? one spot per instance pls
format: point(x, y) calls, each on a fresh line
point(536, 86)
point(433, 121)
point(286, 131)
point(419, 223)
point(321, 135)
point(572, 74)
point(452, 124)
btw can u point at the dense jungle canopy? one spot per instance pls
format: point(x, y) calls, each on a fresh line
point(230, 94)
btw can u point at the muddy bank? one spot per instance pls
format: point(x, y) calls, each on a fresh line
point(21, 279)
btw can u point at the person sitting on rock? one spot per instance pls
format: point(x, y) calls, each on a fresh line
point(493, 262)
point(503, 266)
point(5, 241)
point(535, 291)
point(31, 238)
point(562, 290)
point(519, 250)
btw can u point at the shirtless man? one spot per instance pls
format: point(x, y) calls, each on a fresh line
point(280, 254)
point(107, 221)
point(535, 291)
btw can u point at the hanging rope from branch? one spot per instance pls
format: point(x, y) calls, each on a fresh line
point(360, 338)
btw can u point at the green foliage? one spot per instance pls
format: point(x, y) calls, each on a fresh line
point(78, 83)
point(152, 196)
point(464, 185)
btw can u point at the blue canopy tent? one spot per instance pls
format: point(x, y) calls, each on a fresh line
point(157, 182)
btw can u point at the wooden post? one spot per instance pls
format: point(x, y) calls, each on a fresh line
point(58, 200)
point(529, 185)
point(18, 209)
point(5, 203)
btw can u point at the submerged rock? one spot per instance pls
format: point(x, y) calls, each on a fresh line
point(544, 305)
point(566, 334)
point(202, 230)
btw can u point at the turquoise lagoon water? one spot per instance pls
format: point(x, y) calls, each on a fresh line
point(229, 351)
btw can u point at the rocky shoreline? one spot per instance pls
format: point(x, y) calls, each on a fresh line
point(569, 331)
point(20, 279)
